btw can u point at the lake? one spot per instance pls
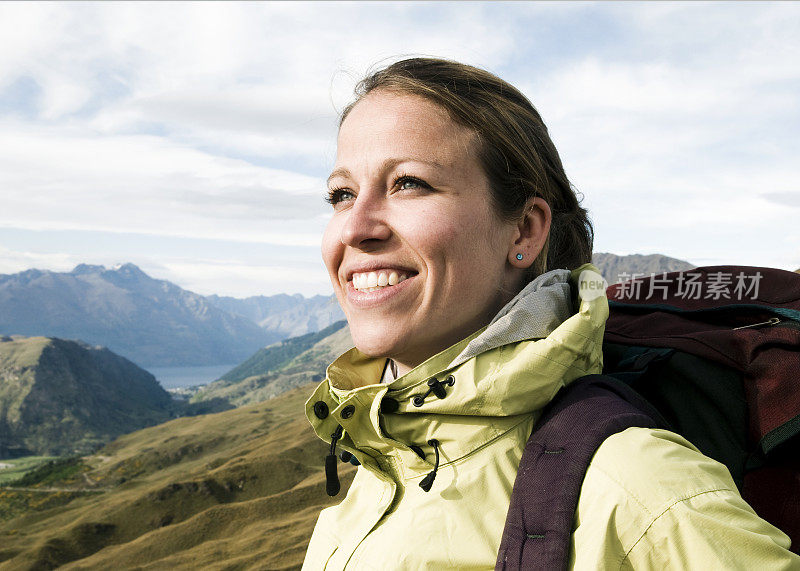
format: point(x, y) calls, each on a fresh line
point(178, 377)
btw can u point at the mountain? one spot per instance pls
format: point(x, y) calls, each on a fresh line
point(281, 367)
point(284, 315)
point(612, 266)
point(64, 397)
point(235, 490)
point(152, 322)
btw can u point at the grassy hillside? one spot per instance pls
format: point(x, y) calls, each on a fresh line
point(63, 397)
point(295, 368)
point(14, 469)
point(274, 356)
point(236, 490)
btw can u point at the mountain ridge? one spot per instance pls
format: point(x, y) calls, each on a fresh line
point(152, 322)
point(615, 268)
point(284, 314)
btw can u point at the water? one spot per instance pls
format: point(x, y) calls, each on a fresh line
point(178, 377)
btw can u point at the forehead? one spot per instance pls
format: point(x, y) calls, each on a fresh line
point(408, 124)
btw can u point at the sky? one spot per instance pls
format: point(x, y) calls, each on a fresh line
point(194, 139)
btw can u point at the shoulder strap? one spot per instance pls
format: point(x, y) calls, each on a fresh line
point(545, 495)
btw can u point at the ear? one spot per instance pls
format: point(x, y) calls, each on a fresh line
point(531, 233)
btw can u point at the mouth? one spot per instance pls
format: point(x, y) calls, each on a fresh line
point(378, 279)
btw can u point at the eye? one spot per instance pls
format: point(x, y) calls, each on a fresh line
point(406, 182)
point(338, 195)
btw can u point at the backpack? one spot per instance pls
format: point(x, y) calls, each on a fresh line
point(712, 354)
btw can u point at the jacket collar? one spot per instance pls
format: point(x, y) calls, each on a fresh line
point(514, 366)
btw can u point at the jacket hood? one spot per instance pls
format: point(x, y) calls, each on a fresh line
point(545, 337)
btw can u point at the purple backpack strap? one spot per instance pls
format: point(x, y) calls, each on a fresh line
point(545, 494)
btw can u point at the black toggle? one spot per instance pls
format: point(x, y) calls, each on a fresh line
point(427, 481)
point(436, 387)
point(332, 485)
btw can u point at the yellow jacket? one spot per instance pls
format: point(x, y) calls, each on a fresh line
point(650, 500)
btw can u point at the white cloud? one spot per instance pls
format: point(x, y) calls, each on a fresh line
point(678, 121)
point(57, 178)
point(243, 280)
point(12, 262)
point(686, 146)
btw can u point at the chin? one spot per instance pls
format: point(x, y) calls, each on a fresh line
point(374, 341)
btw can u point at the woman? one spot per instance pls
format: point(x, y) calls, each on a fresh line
point(450, 249)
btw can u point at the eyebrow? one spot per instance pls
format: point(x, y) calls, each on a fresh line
point(386, 165)
point(341, 171)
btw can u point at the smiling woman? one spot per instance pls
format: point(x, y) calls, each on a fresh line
point(455, 249)
point(411, 200)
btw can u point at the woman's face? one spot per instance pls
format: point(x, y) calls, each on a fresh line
point(417, 257)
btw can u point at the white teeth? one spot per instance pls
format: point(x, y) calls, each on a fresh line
point(376, 280)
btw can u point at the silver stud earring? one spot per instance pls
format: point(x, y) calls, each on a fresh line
point(519, 256)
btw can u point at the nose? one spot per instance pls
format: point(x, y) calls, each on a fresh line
point(366, 225)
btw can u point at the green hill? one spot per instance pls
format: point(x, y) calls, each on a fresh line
point(62, 397)
point(272, 357)
point(278, 368)
point(238, 489)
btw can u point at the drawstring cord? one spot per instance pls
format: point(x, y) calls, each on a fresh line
point(332, 485)
point(436, 387)
point(427, 481)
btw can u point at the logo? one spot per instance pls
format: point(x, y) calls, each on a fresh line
point(591, 285)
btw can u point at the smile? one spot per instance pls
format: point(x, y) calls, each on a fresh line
point(371, 281)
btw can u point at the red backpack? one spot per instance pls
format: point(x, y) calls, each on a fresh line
point(712, 354)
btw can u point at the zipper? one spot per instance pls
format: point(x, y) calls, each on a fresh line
point(770, 321)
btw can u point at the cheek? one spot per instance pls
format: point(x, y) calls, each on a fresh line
point(476, 251)
point(462, 255)
point(332, 247)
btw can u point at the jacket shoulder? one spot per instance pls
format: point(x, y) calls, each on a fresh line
point(650, 498)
